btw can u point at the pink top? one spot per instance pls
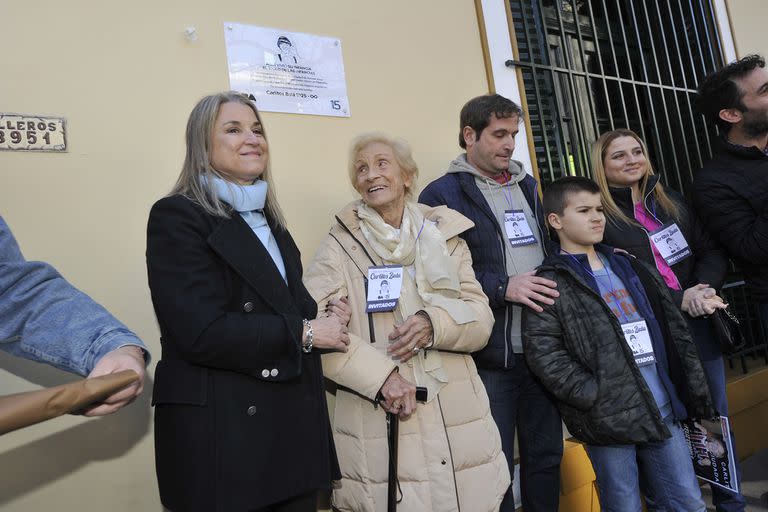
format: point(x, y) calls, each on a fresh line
point(651, 224)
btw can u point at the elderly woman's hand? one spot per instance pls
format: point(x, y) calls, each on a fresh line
point(328, 333)
point(410, 337)
point(340, 309)
point(399, 395)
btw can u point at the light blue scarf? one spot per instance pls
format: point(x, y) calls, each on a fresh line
point(248, 201)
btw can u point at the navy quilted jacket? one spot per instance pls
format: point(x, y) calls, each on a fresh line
point(486, 242)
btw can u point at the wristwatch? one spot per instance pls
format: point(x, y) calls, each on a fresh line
point(306, 346)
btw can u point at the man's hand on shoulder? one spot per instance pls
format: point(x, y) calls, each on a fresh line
point(528, 287)
point(128, 357)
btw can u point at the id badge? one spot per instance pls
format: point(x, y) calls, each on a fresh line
point(518, 231)
point(670, 243)
point(384, 284)
point(639, 340)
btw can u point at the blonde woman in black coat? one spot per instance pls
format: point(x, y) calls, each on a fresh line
point(241, 421)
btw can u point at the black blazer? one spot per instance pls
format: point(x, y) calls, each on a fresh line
point(240, 414)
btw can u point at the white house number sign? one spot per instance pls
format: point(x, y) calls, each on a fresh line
point(20, 132)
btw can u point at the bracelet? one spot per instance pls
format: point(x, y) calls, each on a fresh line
point(306, 347)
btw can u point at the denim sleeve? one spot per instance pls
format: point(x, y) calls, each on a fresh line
point(46, 319)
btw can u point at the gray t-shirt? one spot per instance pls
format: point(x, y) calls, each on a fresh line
point(615, 294)
point(521, 258)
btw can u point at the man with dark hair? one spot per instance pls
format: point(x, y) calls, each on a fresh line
point(495, 192)
point(730, 192)
point(723, 90)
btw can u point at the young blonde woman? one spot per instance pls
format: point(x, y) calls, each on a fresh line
point(655, 224)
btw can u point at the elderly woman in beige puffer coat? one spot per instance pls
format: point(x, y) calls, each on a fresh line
point(450, 456)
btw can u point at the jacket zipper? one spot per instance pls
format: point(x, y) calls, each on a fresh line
point(647, 234)
point(536, 218)
point(509, 311)
point(371, 333)
point(507, 326)
point(648, 239)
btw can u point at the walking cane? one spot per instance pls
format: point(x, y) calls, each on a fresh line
point(393, 426)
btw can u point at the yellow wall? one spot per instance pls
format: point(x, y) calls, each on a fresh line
point(125, 79)
point(748, 26)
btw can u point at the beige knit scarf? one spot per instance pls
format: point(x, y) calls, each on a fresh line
point(435, 281)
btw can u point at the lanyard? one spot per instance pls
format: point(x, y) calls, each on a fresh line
point(622, 316)
point(653, 213)
point(508, 193)
point(420, 230)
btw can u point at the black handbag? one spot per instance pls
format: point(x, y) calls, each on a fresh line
point(728, 331)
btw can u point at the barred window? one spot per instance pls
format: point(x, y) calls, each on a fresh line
point(589, 66)
point(594, 65)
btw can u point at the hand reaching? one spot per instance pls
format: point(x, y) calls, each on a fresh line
point(528, 287)
point(129, 357)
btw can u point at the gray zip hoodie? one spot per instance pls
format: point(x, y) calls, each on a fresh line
point(501, 198)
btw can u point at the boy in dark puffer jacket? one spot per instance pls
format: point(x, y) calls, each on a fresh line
point(624, 401)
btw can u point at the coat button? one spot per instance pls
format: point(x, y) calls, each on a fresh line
point(354, 247)
point(265, 373)
point(252, 410)
point(274, 372)
point(248, 307)
point(443, 462)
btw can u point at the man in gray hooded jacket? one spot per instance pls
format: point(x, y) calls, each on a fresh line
point(507, 243)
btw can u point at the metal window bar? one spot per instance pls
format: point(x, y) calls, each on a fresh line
point(700, 161)
point(592, 65)
point(679, 118)
point(539, 107)
point(656, 134)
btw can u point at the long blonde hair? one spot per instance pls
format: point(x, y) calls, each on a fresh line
point(197, 162)
point(612, 210)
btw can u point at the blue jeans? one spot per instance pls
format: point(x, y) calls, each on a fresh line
point(724, 501)
point(712, 361)
point(663, 470)
point(519, 402)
